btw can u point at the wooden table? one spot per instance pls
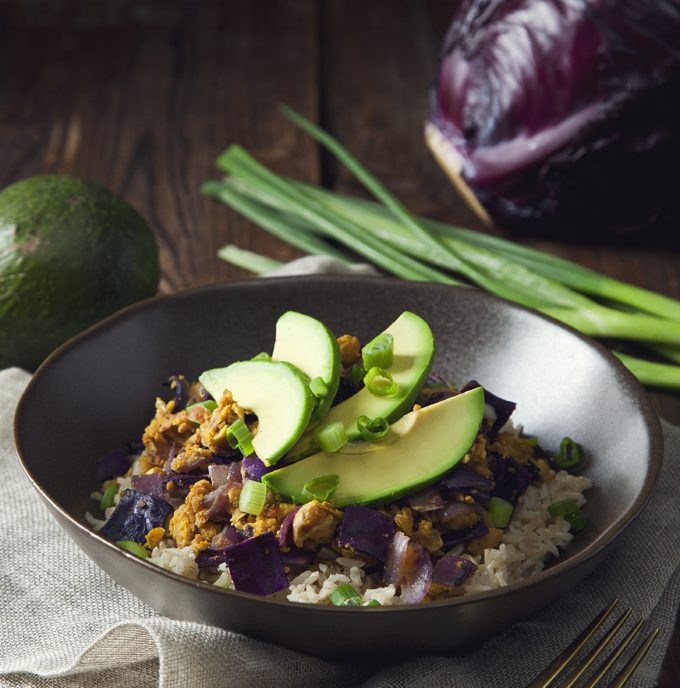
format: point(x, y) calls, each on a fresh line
point(143, 95)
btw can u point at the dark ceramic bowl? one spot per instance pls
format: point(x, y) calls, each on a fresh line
point(97, 392)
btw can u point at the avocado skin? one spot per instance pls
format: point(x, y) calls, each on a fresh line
point(71, 253)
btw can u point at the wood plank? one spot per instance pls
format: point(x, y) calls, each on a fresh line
point(144, 98)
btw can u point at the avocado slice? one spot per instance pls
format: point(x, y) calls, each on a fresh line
point(420, 447)
point(413, 356)
point(311, 347)
point(276, 392)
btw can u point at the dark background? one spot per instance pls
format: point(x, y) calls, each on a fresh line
point(142, 97)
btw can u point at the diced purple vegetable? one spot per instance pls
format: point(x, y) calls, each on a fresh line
point(135, 515)
point(179, 385)
point(254, 468)
point(150, 484)
point(453, 510)
point(209, 558)
point(510, 478)
point(366, 530)
point(452, 571)
point(228, 537)
point(409, 567)
point(255, 565)
point(502, 407)
point(286, 529)
point(462, 478)
point(246, 531)
point(112, 464)
point(428, 499)
point(219, 474)
point(217, 502)
point(451, 538)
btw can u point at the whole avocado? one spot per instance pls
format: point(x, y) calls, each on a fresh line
point(71, 253)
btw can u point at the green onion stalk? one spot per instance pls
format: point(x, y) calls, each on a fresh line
point(414, 248)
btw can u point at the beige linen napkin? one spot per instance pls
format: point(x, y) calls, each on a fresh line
point(65, 623)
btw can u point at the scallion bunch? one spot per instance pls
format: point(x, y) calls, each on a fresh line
point(387, 235)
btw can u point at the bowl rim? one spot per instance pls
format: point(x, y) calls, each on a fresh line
point(561, 566)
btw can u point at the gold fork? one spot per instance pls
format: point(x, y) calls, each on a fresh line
point(563, 666)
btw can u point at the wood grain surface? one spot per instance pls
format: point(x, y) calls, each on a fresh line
point(143, 95)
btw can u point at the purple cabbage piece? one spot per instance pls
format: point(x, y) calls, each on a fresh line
point(462, 478)
point(210, 558)
point(563, 116)
point(454, 509)
point(150, 484)
point(218, 503)
point(502, 407)
point(255, 565)
point(134, 516)
point(219, 474)
point(428, 499)
point(112, 464)
point(452, 571)
point(510, 478)
point(228, 537)
point(254, 468)
point(179, 386)
point(451, 538)
point(409, 567)
point(286, 529)
point(183, 480)
point(366, 530)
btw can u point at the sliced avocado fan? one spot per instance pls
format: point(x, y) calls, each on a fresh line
point(420, 447)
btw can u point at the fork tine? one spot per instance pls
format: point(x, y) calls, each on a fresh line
point(598, 649)
point(555, 668)
point(620, 648)
point(634, 662)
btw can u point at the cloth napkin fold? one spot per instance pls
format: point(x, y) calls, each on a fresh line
point(64, 622)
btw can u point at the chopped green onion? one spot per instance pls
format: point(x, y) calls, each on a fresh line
point(262, 356)
point(372, 430)
point(345, 596)
point(570, 454)
point(500, 511)
point(253, 496)
point(321, 488)
point(531, 441)
point(107, 498)
point(380, 382)
point(239, 436)
point(356, 375)
point(576, 520)
point(331, 437)
point(133, 547)
point(379, 352)
point(565, 506)
point(209, 404)
point(373, 603)
point(319, 387)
